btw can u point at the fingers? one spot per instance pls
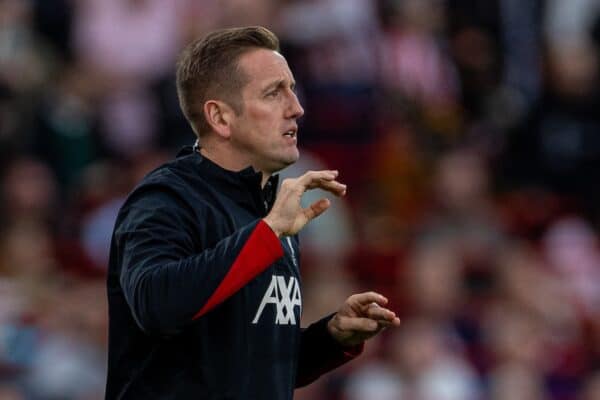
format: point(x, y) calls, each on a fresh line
point(287, 217)
point(315, 180)
point(365, 299)
point(334, 187)
point(358, 324)
point(369, 305)
point(374, 311)
point(322, 180)
point(361, 317)
point(354, 324)
point(383, 316)
point(312, 176)
point(317, 208)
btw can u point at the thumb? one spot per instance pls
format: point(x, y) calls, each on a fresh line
point(317, 208)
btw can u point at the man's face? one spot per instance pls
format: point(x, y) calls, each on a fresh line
point(264, 133)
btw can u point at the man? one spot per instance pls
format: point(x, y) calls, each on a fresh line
point(204, 285)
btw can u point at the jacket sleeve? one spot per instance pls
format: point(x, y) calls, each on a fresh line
point(166, 281)
point(320, 353)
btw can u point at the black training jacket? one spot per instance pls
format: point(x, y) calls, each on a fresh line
point(204, 299)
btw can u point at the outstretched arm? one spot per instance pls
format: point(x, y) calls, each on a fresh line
point(337, 339)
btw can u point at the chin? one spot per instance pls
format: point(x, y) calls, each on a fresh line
point(283, 163)
point(291, 160)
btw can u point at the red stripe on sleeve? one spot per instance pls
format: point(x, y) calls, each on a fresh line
point(261, 250)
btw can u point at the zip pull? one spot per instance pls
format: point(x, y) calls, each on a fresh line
point(292, 252)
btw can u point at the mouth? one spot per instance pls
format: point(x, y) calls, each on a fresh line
point(291, 133)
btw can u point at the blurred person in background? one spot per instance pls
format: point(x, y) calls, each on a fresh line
point(516, 339)
point(42, 340)
point(432, 281)
point(516, 382)
point(465, 209)
point(21, 73)
point(29, 192)
point(413, 59)
point(125, 47)
point(533, 329)
point(333, 44)
point(203, 281)
point(423, 363)
point(557, 145)
point(69, 350)
point(571, 249)
point(9, 392)
point(591, 390)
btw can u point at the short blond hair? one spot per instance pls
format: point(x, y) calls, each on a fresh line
point(208, 69)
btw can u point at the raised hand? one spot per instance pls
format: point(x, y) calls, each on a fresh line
point(361, 317)
point(288, 217)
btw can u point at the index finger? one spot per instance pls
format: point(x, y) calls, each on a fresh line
point(312, 177)
point(363, 299)
point(335, 187)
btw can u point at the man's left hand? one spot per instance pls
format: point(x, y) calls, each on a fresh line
point(361, 317)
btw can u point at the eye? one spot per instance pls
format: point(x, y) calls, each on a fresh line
point(273, 93)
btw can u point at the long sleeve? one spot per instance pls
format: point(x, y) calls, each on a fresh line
point(320, 353)
point(167, 281)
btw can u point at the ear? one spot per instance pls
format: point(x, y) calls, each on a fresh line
point(219, 116)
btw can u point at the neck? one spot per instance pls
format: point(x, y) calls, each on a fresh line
point(228, 162)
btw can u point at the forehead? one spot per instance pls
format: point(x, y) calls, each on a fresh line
point(263, 66)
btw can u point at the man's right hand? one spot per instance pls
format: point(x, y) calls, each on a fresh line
point(287, 216)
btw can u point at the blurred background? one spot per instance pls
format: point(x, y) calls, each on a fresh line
point(469, 135)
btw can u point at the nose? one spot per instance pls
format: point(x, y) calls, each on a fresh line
point(295, 110)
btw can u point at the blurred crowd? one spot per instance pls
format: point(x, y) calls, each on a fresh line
point(469, 135)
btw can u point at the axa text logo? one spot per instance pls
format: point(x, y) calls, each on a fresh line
point(284, 296)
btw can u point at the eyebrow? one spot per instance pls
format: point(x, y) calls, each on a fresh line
point(277, 84)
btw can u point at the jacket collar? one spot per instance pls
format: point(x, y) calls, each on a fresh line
point(242, 186)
